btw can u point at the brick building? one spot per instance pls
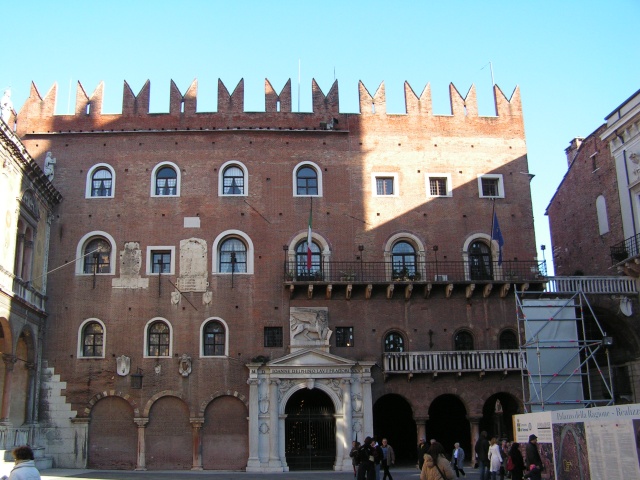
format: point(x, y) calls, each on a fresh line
point(196, 312)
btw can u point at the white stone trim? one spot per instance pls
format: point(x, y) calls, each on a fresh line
point(151, 249)
point(247, 242)
point(178, 179)
point(79, 353)
point(241, 166)
point(80, 252)
point(146, 338)
point(226, 337)
point(294, 175)
point(88, 187)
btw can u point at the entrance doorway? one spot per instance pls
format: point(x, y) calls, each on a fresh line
point(393, 420)
point(497, 414)
point(310, 431)
point(448, 423)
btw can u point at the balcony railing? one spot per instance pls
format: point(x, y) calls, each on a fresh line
point(626, 249)
point(439, 272)
point(451, 362)
point(592, 285)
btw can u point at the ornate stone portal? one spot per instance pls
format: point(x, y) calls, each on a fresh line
point(346, 382)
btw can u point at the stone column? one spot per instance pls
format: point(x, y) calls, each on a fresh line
point(142, 423)
point(19, 255)
point(196, 431)
point(274, 434)
point(421, 427)
point(367, 406)
point(475, 434)
point(31, 386)
point(347, 434)
point(9, 363)
point(253, 464)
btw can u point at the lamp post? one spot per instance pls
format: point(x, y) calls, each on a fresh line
point(544, 260)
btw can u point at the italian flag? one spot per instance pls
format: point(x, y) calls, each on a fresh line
point(309, 238)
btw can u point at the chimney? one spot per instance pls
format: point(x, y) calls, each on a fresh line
point(572, 149)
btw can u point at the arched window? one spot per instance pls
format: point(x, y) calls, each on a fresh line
point(393, 342)
point(101, 183)
point(480, 265)
point(508, 340)
point(403, 258)
point(463, 341)
point(93, 340)
point(166, 181)
point(233, 181)
point(306, 181)
point(233, 256)
point(303, 271)
point(213, 339)
point(97, 256)
point(158, 338)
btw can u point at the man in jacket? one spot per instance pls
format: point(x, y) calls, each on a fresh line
point(482, 454)
point(533, 455)
point(389, 458)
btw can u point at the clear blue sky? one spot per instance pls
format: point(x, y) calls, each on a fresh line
point(575, 61)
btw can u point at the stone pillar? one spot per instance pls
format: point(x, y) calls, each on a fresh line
point(9, 363)
point(19, 255)
point(281, 446)
point(475, 434)
point(347, 434)
point(367, 406)
point(31, 386)
point(253, 464)
point(421, 427)
point(196, 431)
point(274, 434)
point(142, 423)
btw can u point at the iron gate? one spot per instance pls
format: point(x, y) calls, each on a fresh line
point(310, 432)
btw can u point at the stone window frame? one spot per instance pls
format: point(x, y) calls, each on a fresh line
point(146, 337)
point(227, 165)
point(80, 252)
point(413, 240)
point(89, 182)
point(154, 172)
point(226, 337)
point(435, 175)
point(384, 175)
point(81, 332)
point(153, 249)
point(215, 251)
point(399, 334)
point(494, 248)
point(500, 184)
point(318, 171)
point(463, 331)
point(510, 331)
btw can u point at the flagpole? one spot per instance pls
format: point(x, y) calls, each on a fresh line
point(493, 218)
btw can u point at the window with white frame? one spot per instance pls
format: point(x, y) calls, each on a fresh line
point(161, 260)
point(232, 180)
point(384, 184)
point(165, 180)
point(96, 251)
point(214, 338)
point(100, 181)
point(91, 339)
point(158, 339)
point(491, 186)
point(307, 180)
point(233, 253)
point(439, 185)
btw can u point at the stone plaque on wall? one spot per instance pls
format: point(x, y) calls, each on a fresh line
point(193, 265)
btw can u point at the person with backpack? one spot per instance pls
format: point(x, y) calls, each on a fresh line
point(515, 462)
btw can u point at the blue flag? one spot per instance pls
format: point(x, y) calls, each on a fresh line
point(497, 236)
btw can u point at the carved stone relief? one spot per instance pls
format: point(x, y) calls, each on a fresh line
point(309, 327)
point(193, 265)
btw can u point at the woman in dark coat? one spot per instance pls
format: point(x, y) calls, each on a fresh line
point(518, 462)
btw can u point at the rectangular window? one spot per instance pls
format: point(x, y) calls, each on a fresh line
point(160, 262)
point(384, 186)
point(491, 186)
point(438, 187)
point(344, 336)
point(273, 337)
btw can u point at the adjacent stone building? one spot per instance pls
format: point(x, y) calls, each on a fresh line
point(273, 285)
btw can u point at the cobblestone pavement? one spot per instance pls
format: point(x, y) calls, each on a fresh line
point(59, 474)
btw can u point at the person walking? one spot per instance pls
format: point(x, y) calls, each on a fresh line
point(457, 460)
point(388, 459)
point(482, 455)
point(436, 466)
point(25, 467)
point(517, 462)
point(366, 468)
point(422, 449)
point(495, 458)
point(377, 457)
point(534, 462)
point(355, 446)
point(504, 453)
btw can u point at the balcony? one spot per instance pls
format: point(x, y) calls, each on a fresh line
point(458, 363)
point(625, 250)
point(426, 274)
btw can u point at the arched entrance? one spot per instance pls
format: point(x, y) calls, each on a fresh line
point(448, 423)
point(497, 415)
point(310, 431)
point(113, 436)
point(393, 420)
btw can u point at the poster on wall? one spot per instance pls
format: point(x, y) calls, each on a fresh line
point(589, 444)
